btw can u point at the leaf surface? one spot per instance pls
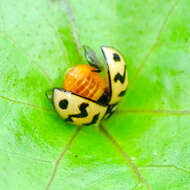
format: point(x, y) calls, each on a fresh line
point(145, 145)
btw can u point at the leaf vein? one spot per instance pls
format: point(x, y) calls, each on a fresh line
point(126, 157)
point(71, 16)
point(13, 43)
point(54, 28)
point(155, 44)
point(60, 157)
point(25, 103)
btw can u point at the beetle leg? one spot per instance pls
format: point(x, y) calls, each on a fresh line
point(49, 94)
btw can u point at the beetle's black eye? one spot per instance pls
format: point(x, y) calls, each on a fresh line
point(116, 57)
point(63, 104)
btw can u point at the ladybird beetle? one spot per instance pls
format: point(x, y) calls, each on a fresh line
point(86, 97)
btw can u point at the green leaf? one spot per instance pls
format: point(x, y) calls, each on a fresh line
point(145, 145)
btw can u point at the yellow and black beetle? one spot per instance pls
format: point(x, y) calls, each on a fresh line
point(86, 97)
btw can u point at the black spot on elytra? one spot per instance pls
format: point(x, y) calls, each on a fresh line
point(116, 57)
point(120, 77)
point(83, 112)
point(63, 104)
point(94, 120)
point(122, 93)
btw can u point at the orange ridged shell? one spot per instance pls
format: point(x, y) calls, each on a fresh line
point(83, 81)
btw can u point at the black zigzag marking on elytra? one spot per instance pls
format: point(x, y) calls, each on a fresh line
point(122, 93)
point(94, 120)
point(83, 113)
point(120, 77)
